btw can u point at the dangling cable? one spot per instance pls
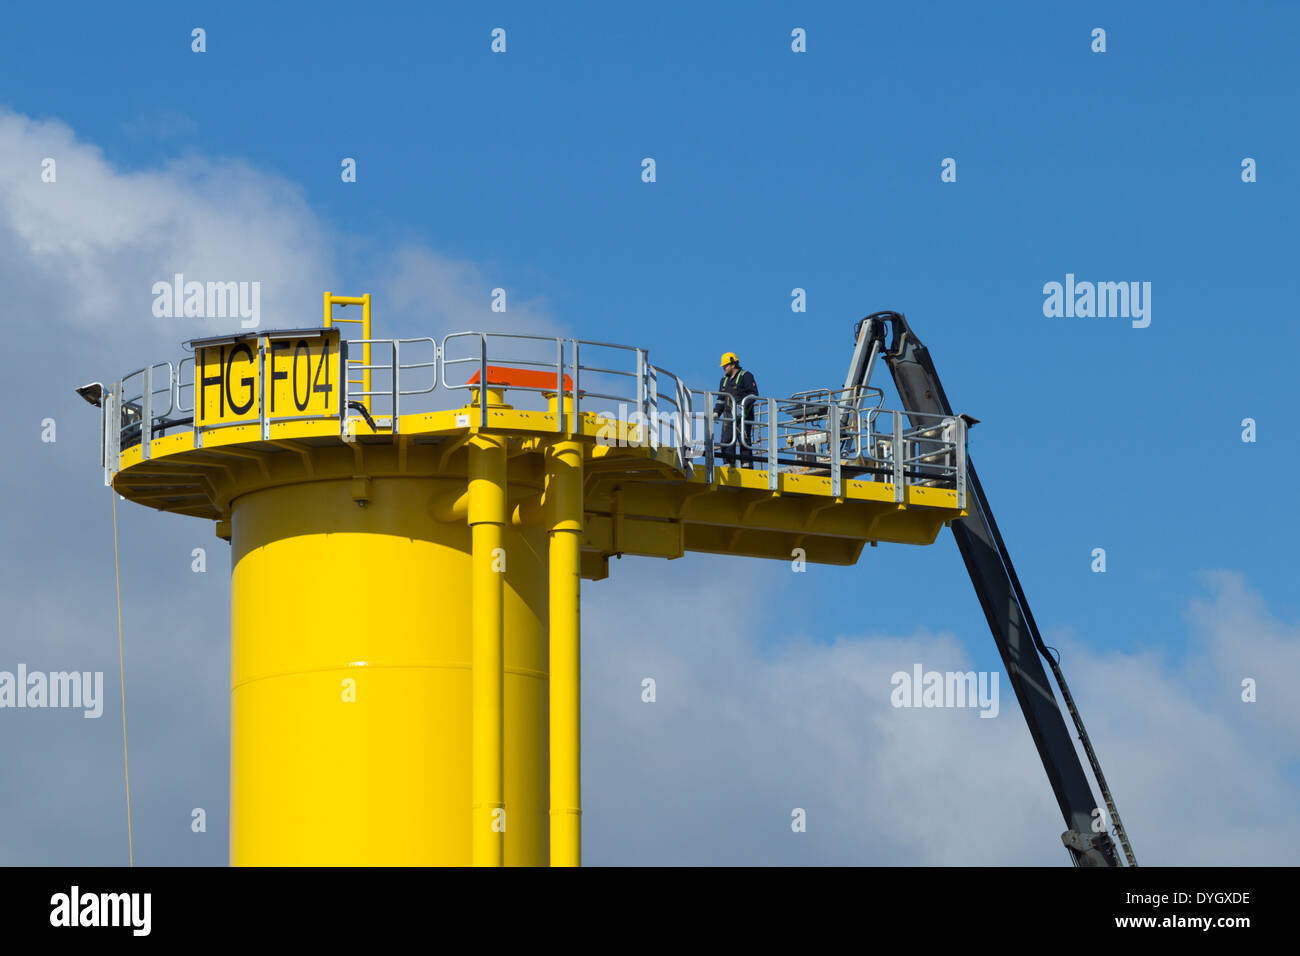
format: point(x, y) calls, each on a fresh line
point(126, 764)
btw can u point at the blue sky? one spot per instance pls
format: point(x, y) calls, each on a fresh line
point(821, 170)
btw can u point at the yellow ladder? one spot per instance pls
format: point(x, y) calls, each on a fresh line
point(332, 300)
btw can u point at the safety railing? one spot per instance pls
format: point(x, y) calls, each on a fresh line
point(840, 439)
point(184, 386)
point(382, 386)
point(536, 353)
point(142, 416)
point(839, 433)
point(669, 401)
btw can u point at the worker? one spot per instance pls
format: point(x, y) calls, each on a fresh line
point(737, 391)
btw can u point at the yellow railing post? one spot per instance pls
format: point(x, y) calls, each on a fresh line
point(365, 334)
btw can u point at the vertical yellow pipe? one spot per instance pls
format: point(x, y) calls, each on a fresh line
point(487, 518)
point(564, 489)
point(365, 349)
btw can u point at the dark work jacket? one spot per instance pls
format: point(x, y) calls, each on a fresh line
point(738, 386)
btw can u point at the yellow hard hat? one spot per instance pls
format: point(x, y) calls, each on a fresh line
point(728, 358)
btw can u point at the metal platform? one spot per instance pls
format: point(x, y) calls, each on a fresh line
point(831, 470)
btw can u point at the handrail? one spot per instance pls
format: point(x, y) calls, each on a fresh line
point(842, 433)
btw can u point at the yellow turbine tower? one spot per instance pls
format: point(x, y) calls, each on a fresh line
point(407, 548)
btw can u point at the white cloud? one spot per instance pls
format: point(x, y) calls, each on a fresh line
point(435, 294)
point(85, 250)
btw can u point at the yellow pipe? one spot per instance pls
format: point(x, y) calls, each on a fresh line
point(529, 510)
point(365, 349)
point(564, 490)
point(487, 519)
point(451, 505)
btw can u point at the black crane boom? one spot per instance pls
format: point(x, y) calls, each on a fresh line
point(1004, 603)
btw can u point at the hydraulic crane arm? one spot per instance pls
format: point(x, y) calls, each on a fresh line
point(1004, 603)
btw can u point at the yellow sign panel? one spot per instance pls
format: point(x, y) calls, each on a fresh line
point(226, 383)
point(302, 376)
point(301, 373)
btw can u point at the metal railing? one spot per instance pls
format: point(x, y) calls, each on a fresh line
point(141, 416)
point(854, 439)
point(838, 433)
point(480, 360)
point(382, 399)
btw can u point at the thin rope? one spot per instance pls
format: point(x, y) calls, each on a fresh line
point(121, 660)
